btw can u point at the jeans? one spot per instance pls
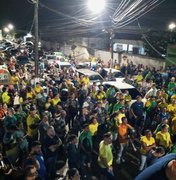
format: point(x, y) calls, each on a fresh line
point(122, 148)
point(143, 162)
point(51, 162)
point(108, 174)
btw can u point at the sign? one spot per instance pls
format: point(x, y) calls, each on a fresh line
point(5, 77)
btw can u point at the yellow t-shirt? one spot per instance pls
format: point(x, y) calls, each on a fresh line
point(93, 128)
point(105, 151)
point(171, 109)
point(119, 118)
point(86, 80)
point(5, 98)
point(174, 126)
point(148, 142)
point(55, 101)
point(14, 79)
point(164, 139)
point(173, 97)
point(38, 89)
point(32, 120)
point(162, 105)
point(30, 95)
point(101, 95)
point(139, 78)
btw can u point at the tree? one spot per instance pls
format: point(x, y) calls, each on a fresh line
point(156, 42)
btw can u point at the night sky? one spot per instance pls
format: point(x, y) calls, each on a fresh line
point(20, 13)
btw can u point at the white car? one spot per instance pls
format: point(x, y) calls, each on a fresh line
point(93, 76)
point(117, 75)
point(122, 87)
point(52, 60)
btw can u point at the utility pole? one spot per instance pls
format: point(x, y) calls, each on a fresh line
point(36, 2)
point(111, 48)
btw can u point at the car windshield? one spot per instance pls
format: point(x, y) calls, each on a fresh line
point(118, 75)
point(95, 78)
point(51, 58)
point(132, 92)
point(65, 66)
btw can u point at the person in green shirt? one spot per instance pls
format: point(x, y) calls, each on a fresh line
point(85, 146)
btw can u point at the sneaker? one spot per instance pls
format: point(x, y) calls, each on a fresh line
point(118, 161)
point(123, 160)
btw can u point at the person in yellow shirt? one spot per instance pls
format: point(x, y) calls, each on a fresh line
point(30, 93)
point(163, 103)
point(171, 108)
point(105, 157)
point(5, 96)
point(93, 126)
point(15, 79)
point(32, 124)
point(48, 103)
point(93, 93)
point(38, 88)
point(120, 115)
point(81, 80)
point(163, 138)
point(86, 80)
point(173, 129)
point(101, 94)
point(138, 78)
point(147, 143)
point(56, 100)
point(173, 96)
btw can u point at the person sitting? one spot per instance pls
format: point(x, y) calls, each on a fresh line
point(163, 138)
point(147, 142)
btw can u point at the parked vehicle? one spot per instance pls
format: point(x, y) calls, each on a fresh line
point(122, 87)
point(93, 76)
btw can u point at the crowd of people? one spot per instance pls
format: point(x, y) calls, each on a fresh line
point(65, 117)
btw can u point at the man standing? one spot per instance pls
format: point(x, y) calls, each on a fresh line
point(105, 157)
point(137, 112)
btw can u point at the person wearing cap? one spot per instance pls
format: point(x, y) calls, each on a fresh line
point(163, 169)
point(105, 157)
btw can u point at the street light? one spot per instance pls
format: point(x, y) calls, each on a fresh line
point(10, 26)
point(6, 29)
point(96, 6)
point(172, 26)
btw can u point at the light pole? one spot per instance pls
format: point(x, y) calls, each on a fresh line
point(36, 38)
